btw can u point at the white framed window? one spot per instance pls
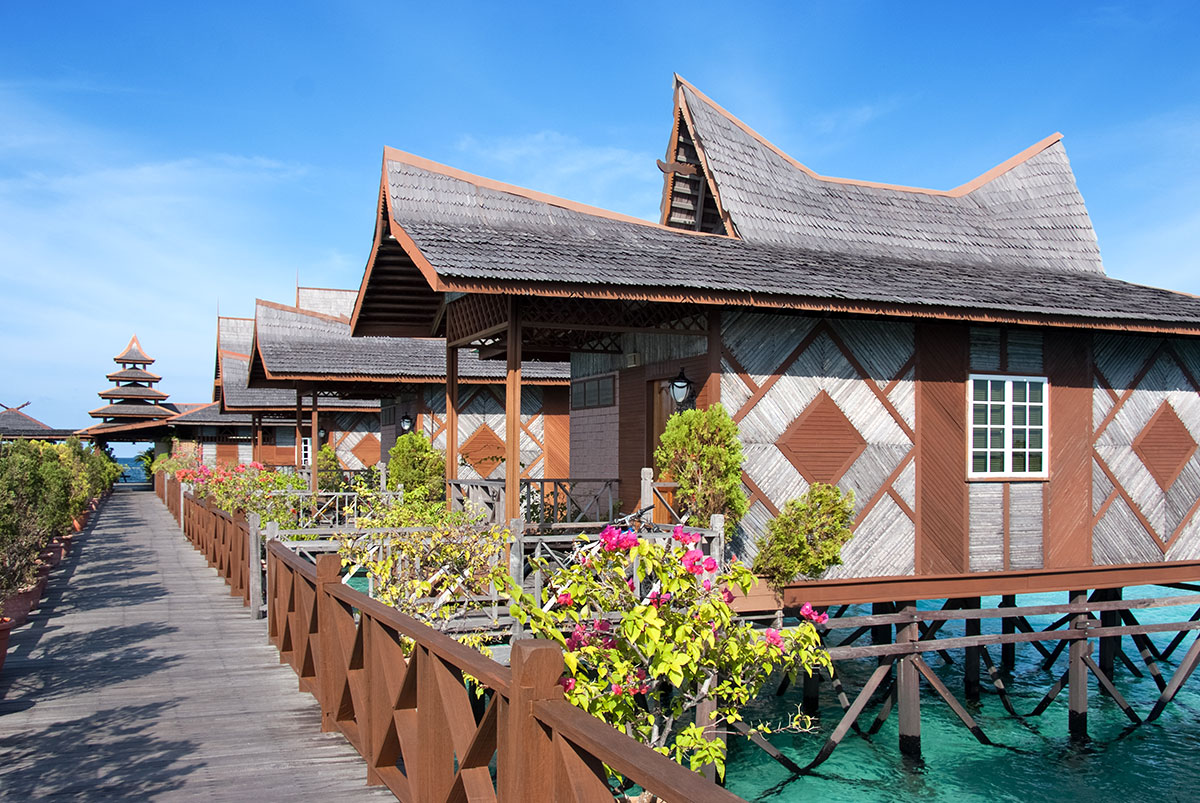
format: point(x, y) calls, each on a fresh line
point(306, 451)
point(1008, 427)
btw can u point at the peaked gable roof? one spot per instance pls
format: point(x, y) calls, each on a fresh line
point(133, 354)
point(1026, 212)
point(327, 301)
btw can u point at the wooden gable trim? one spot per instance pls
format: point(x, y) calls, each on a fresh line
point(709, 180)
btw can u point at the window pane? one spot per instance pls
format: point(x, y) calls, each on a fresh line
point(980, 391)
point(606, 392)
point(591, 393)
point(1018, 416)
point(998, 414)
point(979, 462)
point(1035, 439)
point(1035, 416)
point(997, 439)
point(997, 463)
point(1019, 389)
point(998, 390)
point(979, 438)
point(1019, 438)
point(1035, 461)
point(980, 416)
point(1035, 391)
point(1018, 462)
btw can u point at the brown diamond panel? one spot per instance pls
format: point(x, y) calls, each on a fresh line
point(483, 451)
point(1164, 445)
point(821, 443)
point(367, 450)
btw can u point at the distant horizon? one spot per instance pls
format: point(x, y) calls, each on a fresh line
point(159, 165)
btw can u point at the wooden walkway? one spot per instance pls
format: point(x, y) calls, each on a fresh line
point(140, 677)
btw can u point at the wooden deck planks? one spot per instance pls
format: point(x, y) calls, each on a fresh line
point(142, 677)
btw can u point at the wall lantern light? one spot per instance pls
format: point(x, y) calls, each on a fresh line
point(321, 433)
point(406, 423)
point(681, 388)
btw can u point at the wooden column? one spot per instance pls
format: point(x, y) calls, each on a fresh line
point(313, 444)
point(258, 438)
point(451, 415)
point(512, 416)
point(908, 689)
point(1077, 674)
point(1008, 625)
point(973, 655)
point(299, 428)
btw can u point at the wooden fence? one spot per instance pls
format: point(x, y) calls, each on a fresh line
point(430, 716)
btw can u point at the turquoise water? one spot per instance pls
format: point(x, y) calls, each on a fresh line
point(133, 470)
point(1035, 760)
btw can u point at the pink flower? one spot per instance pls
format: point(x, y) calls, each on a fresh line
point(771, 635)
point(254, 464)
point(811, 615)
point(677, 533)
point(617, 690)
point(707, 585)
point(710, 565)
point(692, 561)
point(630, 583)
point(565, 598)
point(727, 595)
point(614, 540)
point(567, 683)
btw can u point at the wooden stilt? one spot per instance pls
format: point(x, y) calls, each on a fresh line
point(908, 690)
point(1077, 681)
point(1109, 645)
point(971, 669)
point(1111, 690)
point(1008, 652)
point(853, 712)
point(1182, 673)
point(811, 705)
point(451, 417)
point(1175, 642)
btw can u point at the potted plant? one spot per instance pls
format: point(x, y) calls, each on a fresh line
point(6, 626)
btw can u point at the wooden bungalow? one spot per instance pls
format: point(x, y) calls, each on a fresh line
point(309, 347)
point(17, 425)
point(1009, 417)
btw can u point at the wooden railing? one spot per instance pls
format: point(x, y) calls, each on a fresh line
point(429, 714)
point(231, 545)
point(543, 501)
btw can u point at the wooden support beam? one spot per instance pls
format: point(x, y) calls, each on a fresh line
point(451, 416)
point(971, 668)
point(1008, 652)
point(1077, 681)
point(299, 429)
point(811, 704)
point(1182, 673)
point(908, 690)
point(512, 416)
point(313, 444)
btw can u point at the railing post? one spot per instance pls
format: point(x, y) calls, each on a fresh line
point(272, 596)
point(254, 566)
point(179, 512)
point(516, 563)
point(381, 467)
point(329, 569)
point(525, 765)
point(646, 499)
point(716, 523)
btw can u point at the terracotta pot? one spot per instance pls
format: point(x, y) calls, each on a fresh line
point(18, 606)
point(52, 555)
point(6, 626)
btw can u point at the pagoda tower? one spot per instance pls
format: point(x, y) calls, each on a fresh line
point(133, 397)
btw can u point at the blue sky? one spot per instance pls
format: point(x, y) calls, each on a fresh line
point(158, 160)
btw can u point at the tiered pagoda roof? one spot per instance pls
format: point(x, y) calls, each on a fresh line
point(133, 397)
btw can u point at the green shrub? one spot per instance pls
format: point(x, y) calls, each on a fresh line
point(807, 537)
point(418, 468)
point(329, 469)
point(700, 450)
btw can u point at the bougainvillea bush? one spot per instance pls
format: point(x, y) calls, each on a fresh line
point(649, 637)
point(245, 488)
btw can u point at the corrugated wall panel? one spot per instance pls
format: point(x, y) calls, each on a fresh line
point(1025, 516)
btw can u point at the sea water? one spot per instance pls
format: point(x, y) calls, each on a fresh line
point(1033, 758)
point(133, 469)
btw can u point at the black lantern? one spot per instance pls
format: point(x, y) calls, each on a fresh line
point(681, 388)
point(321, 433)
point(406, 423)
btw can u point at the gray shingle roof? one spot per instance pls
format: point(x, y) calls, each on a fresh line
point(16, 424)
point(291, 342)
point(235, 373)
point(1031, 216)
point(210, 414)
point(235, 334)
point(471, 232)
point(338, 303)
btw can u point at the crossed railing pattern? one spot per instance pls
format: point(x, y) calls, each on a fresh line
point(334, 508)
point(431, 715)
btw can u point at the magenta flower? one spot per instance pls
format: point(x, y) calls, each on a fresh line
point(727, 595)
point(771, 635)
point(567, 683)
point(617, 690)
point(812, 615)
point(692, 561)
point(565, 598)
point(710, 565)
point(677, 533)
point(707, 584)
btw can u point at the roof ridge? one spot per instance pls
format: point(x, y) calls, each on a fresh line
point(422, 163)
point(957, 192)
